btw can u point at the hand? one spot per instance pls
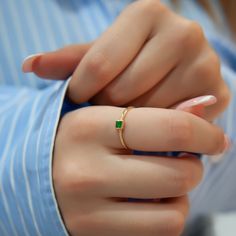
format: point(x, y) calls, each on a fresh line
point(93, 175)
point(149, 57)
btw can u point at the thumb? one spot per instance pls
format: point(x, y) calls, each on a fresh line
point(58, 64)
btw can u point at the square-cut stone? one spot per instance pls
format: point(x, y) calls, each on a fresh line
point(119, 124)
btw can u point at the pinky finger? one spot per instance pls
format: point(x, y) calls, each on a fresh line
point(135, 219)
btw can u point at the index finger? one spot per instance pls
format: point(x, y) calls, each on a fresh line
point(111, 53)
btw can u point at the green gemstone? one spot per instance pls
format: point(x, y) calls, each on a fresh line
point(119, 124)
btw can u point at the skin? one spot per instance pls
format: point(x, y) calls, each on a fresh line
point(93, 175)
point(123, 67)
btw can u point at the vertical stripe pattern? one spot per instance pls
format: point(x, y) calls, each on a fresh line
point(30, 109)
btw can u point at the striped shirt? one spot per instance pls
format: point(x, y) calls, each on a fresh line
point(30, 109)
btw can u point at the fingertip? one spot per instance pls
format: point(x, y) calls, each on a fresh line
point(203, 101)
point(27, 65)
point(219, 157)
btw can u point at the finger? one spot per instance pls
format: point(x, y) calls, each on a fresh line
point(150, 67)
point(134, 219)
point(197, 111)
point(161, 95)
point(160, 56)
point(148, 177)
point(111, 54)
point(197, 106)
point(196, 76)
point(201, 77)
point(223, 96)
point(154, 129)
point(59, 64)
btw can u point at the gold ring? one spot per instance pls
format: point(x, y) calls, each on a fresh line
point(120, 125)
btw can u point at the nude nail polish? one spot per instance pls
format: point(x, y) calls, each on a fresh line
point(202, 100)
point(28, 61)
point(196, 106)
point(189, 154)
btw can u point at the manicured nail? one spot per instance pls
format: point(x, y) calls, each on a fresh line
point(220, 157)
point(227, 143)
point(202, 100)
point(28, 62)
point(188, 154)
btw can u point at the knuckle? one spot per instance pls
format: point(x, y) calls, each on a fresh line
point(212, 65)
point(180, 130)
point(75, 180)
point(82, 183)
point(82, 126)
point(203, 74)
point(214, 59)
point(196, 30)
point(151, 7)
point(224, 97)
point(112, 97)
point(213, 72)
point(207, 71)
point(99, 67)
point(175, 224)
point(191, 34)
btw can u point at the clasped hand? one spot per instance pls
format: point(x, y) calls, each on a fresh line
point(150, 57)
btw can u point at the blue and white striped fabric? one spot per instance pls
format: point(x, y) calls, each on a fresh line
point(30, 109)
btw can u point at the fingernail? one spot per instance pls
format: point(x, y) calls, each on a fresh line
point(202, 100)
point(227, 143)
point(220, 157)
point(188, 154)
point(28, 62)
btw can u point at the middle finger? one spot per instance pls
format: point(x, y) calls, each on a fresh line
point(145, 177)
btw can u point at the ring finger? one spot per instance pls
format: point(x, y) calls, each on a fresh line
point(154, 129)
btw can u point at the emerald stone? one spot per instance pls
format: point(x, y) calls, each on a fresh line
point(119, 124)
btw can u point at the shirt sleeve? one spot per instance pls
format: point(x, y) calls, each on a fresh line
point(28, 124)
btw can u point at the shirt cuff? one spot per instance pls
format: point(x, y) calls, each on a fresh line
point(55, 224)
point(60, 105)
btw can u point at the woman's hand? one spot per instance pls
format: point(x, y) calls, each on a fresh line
point(149, 57)
point(93, 175)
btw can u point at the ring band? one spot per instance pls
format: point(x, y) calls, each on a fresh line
point(120, 125)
